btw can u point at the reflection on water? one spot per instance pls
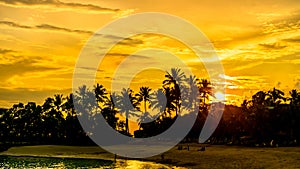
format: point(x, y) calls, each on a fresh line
point(68, 163)
point(132, 164)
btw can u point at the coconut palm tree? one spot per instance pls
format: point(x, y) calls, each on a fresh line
point(85, 101)
point(100, 94)
point(58, 102)
point(190, 93)
point(205, 89)
point(158, 100)
point(53, 118)
point(127, 104)
point(109, 111)
point(68, 106)
point(170, 100)
point(173, 81)
point(175, 77)
point(144, 95)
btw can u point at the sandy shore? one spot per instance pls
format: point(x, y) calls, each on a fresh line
point(212, 157)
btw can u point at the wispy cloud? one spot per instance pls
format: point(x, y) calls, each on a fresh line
point(276, 45)
point(44, 27)
point(56, 4)
point(292, 40)
point(5, 51)
point(21, 67)
point(290, 22)
point(56, 28)
point(13, 24)
point(47, 27)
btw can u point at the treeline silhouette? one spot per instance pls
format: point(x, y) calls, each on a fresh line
point(268, 119)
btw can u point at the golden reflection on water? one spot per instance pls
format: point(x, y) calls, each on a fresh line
point(65, 163)
point(134, 164)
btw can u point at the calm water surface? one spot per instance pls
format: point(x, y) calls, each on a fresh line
point(67, 163)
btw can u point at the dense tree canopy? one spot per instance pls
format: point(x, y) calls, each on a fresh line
point(269, 118)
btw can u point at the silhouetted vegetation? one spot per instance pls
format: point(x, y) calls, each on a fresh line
point(269, 119)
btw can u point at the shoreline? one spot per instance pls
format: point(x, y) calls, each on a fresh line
point(75, 152)
point(214, 156)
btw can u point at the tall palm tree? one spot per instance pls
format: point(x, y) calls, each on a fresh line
point(32, 119)
point(144, 95)
point(109, 111)
point(173, 81)
point(100, 94)
point(205, 89)
point(176, 76)
point(171, 104)
point(68, 106)
point(81, 95)
point(128, 104)
point(85, 101)
point(190, 93)
point(158, 100)
point(53, 118)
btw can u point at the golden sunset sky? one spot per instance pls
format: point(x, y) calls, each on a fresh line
point(258, 42)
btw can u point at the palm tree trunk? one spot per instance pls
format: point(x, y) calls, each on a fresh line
point(126, 124)
point(145, 106)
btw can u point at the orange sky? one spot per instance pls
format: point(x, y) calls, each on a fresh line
point(257, 41)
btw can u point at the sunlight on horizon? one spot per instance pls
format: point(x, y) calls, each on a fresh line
point(258, 47)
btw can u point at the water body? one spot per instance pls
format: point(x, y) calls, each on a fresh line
point(71, 163)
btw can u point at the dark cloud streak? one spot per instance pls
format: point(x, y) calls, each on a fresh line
point(51, 27)
point(59, 4)
point(292, 40)
point(45, 27)
point(22, 67)
point(5, 51)
point(123, 41)
point(272, 46)
point(13, 24)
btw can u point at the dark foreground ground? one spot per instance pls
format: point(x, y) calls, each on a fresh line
point(213, 157)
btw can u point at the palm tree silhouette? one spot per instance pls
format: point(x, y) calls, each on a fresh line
point(205, 89)
point(190, 93)
point(275, 97)
point(53, 117)
point(158, 101)
point(174, 81)
point(58, 101)
point(175, 77)
point(170, 100)
point(68, 106)
point(100, 94)
point(144, 95)
point(128, 104)
point(109, 111)
point(85, 100)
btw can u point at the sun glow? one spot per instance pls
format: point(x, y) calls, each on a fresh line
point(219, 96)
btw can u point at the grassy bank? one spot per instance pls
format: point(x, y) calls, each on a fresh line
point(212, 157)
